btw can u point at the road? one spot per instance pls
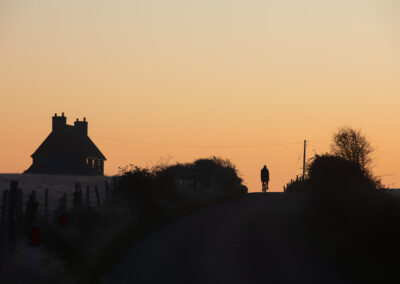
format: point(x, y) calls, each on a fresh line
point(260, 238)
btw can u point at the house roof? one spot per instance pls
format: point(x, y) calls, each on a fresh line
point(70, 141)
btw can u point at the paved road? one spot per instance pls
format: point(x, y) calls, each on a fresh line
point(260, 238)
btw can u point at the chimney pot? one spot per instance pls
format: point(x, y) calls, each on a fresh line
point(81, 125)
point(59, 122)
point(84, 119)
point(63, 114)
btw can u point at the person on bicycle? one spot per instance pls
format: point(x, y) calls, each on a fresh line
point(265, 177)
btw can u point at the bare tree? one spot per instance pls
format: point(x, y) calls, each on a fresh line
point(352, 145)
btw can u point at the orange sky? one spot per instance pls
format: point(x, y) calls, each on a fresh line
point(207, 73)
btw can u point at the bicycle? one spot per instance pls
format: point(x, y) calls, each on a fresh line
point(264, 186)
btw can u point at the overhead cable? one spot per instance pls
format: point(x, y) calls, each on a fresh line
point(197, 146)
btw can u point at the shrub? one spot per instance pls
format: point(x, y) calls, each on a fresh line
point(329, 173)
point(142, 200)
point(353, 217)
point(300, 184)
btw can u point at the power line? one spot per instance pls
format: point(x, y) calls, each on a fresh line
point(296, 169)
point(197, 146)
point(389, 153)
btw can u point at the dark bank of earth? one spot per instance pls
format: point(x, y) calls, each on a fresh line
point(260, 238)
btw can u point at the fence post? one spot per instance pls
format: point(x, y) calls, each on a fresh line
point(4, 232)
point(65, 202)
point(107, 189)
point(33, 234)
point(77, 197)
point(32, 207)
point(32, 256)
point(46, 203)
point(97, 196)
point(62, 207)
point(195, 176)
point(114, 183)
point(88, 197)
point(62, 204)
point(19, 215)
point(11, 215)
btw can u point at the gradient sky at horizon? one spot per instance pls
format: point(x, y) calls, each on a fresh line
point(209, 73)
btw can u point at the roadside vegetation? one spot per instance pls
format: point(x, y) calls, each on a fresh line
point(143, 200)
point(352, 216)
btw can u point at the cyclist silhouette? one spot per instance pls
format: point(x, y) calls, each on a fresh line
point(264, 178)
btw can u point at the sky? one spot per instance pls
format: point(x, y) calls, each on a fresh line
point(179, 80)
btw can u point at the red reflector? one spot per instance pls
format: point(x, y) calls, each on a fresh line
point(63, 221)
point(35, 236)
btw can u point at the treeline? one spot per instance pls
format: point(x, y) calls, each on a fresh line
point(143, 199)
point(352, 216)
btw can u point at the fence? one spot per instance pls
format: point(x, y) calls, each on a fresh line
point(300, 184)
point(55, 190)
point(21, 211)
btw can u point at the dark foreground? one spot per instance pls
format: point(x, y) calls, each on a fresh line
point(261, 238)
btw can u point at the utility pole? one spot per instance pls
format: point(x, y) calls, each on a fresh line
point(304, 159)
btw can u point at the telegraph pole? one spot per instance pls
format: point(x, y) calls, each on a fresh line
point(304, 159)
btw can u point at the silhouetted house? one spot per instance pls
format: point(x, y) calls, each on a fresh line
point(68, 150)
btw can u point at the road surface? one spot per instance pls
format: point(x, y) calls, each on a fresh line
point(260, 238)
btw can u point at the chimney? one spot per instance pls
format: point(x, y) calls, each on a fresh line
point(82, 125)
point(59, 122)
